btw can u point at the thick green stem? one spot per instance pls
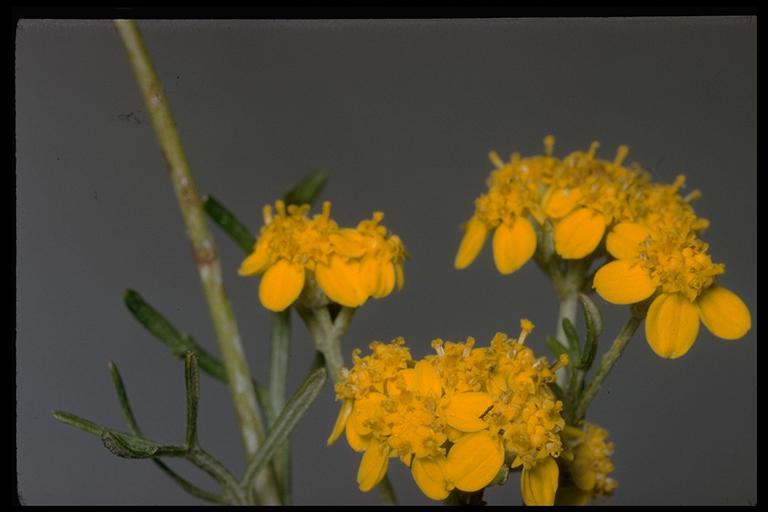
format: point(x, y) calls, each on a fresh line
point(607, 363)
point(203, 247)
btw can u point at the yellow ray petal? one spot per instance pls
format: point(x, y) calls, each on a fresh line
point(724, 313)
point(257, 261)
point(474, 238)
point(373, 465)
point(539, 483)
point(561, 202)
point(355, 440)
point(578, 234)
point(428, 382)
point(513, 245)
point(341, 282)
point(341, 421)
point(348, 242)
point(672, 325)
point(281, 285)
point(370, 274)
point(464, 410)
point(399, 276)
point(474, 461)
point(623, 241)
point(429, 475)
point(623, 282)
point(386, 280)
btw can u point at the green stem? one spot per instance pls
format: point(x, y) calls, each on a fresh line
point(281, 337)
point(327, 333)
point(203, 247)
point(569, 304)
point(388, 492)
point(218, 472)
point(607, 363)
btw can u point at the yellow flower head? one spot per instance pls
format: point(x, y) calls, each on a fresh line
point(454, 417)
point(580, 195)
point(590, 464)
point(348, 264)
point(673, 262)
point(514, 194)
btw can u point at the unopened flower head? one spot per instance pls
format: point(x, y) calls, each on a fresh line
point(454, 417)
point(348, 264)
point(590, 464)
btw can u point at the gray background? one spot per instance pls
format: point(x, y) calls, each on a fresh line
point(403, 114)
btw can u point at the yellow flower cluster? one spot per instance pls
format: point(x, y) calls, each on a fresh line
point(651, 230)
point(455, 418)
point(591, 463)
point(349, 264)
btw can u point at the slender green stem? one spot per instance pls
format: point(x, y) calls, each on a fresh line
point(189, 487)
point(281, 337)
point(203, 246)
point(607, 362)
point(388, 492)
point(218, 472)
point(568, 309)
point(327, 333)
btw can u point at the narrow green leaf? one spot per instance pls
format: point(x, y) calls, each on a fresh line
point(305, 191)
point(122, 397)
point(285, 423)
point(573, 339)
point(594, 322)
point(181, 343)
point(192, 383)
point(555, 346)
point(189, 487)
point(128, 446)
point(78, 422)
point(229, 223)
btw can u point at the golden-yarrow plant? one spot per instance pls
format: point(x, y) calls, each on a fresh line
point(465, 417)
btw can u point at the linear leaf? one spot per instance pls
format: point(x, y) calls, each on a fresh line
point(573, 338)
point(227, 221)
point(555, 346)
point(285, 423)
point(129, 446)
point(306, 190)
point(192, 384)
point(594, 322)
point(122, 397)
point(78, 422)
point(181, 343)
point(187, 486)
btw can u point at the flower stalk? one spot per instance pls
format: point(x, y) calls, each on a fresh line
point(607, 362)
point(203, 246)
